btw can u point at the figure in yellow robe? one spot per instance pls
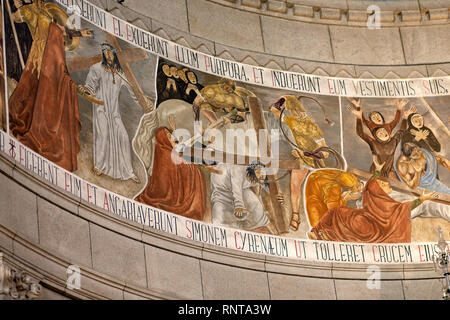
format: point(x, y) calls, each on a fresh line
point(308, 138)
point(307, 135)
point(327, 189)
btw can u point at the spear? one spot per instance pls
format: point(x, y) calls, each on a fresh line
point(436, 117)
point(13, 26)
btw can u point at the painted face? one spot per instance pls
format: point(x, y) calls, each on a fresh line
point(376, 118)
point(260, 174)
point(417, 121)
point(166, 70)
point(173, 141)
point(416, 153)
point(109, 56)
point(192, 78)
point(226, 88)
point(174, 72)
point(182, 75)
point(382, 134)
point(385, 186)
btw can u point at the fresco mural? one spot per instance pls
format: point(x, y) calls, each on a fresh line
point(219, 152)
point(3, 116)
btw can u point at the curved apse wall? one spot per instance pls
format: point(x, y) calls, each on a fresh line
point(118, 130)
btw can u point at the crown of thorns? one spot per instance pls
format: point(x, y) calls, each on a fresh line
point(107, 46)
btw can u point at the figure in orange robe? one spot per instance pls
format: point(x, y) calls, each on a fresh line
point(175, 185)
point(327, 189)
point(380, 220)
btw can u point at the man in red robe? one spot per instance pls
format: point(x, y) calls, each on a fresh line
point(380, 220)
point(175, 185)
point(43, 109)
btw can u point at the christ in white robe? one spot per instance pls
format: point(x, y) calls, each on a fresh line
point(112, 147)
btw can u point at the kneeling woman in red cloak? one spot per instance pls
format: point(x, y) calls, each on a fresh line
point(175, 185)
point(381, 219)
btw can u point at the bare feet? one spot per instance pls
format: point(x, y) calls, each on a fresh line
point(311, 235)
point(97, 172)
point(136, 179)
point(295, 221)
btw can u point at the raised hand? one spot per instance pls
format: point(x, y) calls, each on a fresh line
point(357, 113)
point(18, 3)
point(355, 102)
point(410, 111)
point(401, 103)
point(171, 121)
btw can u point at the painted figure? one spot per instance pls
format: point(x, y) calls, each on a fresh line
point(166, 83)
point(381, 219)
point(417, 167)
point(43, 109)
point(308, 137)
point(376, 119)
point(327, 189)
point(175, 185)
point(420, 135)
point(235, 196)
point(220, 99)
point(190, 88)
point(428, 209)
point(382, 143)
point(111, 146)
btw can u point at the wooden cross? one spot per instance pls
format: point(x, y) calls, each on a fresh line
point(125, 57)
point(276, 211)
point(279, 217)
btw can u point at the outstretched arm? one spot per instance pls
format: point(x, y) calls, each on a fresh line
point(398, 115)
point(360, 132)
point(423, 197)
point(378, 167)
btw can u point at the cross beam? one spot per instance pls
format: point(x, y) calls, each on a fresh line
point(259, 123)
point(128, 72)
point(244, 160)
point(125, 56)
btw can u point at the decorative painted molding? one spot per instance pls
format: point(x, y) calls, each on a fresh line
point(17, 284)
point(346, 15)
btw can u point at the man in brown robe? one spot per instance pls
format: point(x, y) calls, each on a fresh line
point(376, 119)
point(382, 144)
